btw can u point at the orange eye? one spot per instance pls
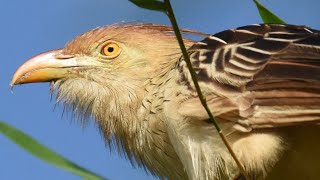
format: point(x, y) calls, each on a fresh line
point(110, 50)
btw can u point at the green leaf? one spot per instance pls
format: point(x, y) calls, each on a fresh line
point(150, 4)
point(35, 148)
point(267, 16)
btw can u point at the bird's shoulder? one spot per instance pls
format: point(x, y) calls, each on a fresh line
point(254, 32)
point(236, 57)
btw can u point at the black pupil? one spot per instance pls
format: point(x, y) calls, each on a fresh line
point(110, 49)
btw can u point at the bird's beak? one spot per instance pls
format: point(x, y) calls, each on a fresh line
point(45, 67)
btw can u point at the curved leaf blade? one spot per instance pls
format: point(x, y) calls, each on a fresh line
point(150, 4)
point(40, 151)
point(267, 16)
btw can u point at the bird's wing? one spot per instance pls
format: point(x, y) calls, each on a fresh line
point(268, 74)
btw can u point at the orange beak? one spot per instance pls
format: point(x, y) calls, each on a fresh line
point(44, 67)
point(50, 66)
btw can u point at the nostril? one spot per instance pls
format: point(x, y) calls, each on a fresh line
point(63, 56)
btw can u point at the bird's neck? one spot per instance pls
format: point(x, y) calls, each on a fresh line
point(130, 115)
point(151, 137)
point(138, 127)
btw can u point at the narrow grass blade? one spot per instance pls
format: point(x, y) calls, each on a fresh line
point(267, 16)
point(40, 151)
point(150, 4)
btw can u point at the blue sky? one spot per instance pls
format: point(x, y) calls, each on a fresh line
point(33, 26)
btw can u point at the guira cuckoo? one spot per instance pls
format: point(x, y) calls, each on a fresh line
point(262, 83)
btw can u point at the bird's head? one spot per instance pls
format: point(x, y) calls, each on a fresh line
point(105, 69)
point(109, 51)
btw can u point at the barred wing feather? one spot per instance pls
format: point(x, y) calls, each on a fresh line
point(269, 74)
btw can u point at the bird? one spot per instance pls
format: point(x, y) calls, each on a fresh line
point(261, 82)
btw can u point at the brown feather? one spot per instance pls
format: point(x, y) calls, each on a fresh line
point(268, 65)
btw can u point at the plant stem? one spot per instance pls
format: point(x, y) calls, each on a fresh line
point(203, 101)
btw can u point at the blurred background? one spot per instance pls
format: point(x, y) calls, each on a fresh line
point(33, 26)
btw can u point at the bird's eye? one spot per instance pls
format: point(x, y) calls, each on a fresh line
point(110, 50)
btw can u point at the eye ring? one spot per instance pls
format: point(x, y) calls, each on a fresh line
point(110, 50)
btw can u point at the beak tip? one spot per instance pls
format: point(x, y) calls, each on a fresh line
point(14, 81)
